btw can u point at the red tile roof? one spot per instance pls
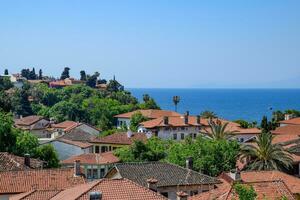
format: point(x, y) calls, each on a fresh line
point(111, 189)
point(80, 144)
point(292, 182)
point(93, 158)
point(176, 121)
point(288, 129)
point(151, 113)
point(120, 138)
point(29, 120)
point(9, 162)
point(36, 195)
point(264, 190)
point(70, 125)
point(47, 179)
point(284, 138)
point(294, 121)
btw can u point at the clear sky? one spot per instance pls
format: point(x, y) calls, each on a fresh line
point(162, 43)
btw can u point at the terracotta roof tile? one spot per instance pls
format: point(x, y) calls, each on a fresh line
point(9, 162)
point(288, 129)
point(36, 195)
point(66, 125)
point(93, 158)
point(120, 138)
point(47, 179)
point(29, 120)
point(75, 143)
point(294, 121)
point(151, 113)
point(174, 121)
point(111, 189)
point(293, 183)
point(284, 138)
point(264, 189)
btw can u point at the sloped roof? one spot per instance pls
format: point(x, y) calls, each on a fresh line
point(294, 121)
point(120, 138)
point(174, 121)
point(93, 158)
point(288, 130)
point(167, 174)
point(70, 125)
point(264, 190)
point(111, 189)
point(292, 182)
point(29, 120)
point(46, 179)
point(150, 113)
point(78, 135)
point(80, 144)
point(9, 162)
point(36, 195)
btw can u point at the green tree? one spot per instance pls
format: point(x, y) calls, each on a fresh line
point(65, 110)
point(26, 143)
point(32, 75)
point(208, 114)
point(245, 192)
point(92, 80)
point(218, 130)
point(135, 120)
point(114, 86)
point(21, 104)
point(7, 133)
point(149, 104)
point(266, 125)
point(176, 100)
point(210, 157)
point(146, 97)
point(40, 74)
point(65, 74)
point(82, 75)
point(48, 154)
point(5, 83)
point(5, 101)
point(265, 155)
point(139, 152)
point(5, 72)
point(25, 73)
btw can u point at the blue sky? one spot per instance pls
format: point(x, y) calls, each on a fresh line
point(146, 43)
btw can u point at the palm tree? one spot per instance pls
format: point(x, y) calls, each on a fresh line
point(264, 155)
point(208, 115)
point(218, 130)
point(176, 100)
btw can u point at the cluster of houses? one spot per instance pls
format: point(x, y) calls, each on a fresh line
point(90, 170)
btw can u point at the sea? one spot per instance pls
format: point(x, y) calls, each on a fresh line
point(231, 104)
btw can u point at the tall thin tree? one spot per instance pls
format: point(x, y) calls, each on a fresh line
point(176, 100)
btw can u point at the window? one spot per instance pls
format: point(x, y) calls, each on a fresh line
point(195, 135)
point(182, 136)
point(182, 128)
point(103, 149)
point(89, 173)
point(175, 136)
point(95, 173)
point(97, 150)
point(195, 192)
point(102, 172)
point(242, 140)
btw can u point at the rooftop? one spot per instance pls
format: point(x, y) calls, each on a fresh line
point(288, 130)
point(93, 158)
point(9, 162)
point(150, 113)
point(167, 174)
point(29, 120)
point(294, 121)
point(46, 179)
point(120, 138)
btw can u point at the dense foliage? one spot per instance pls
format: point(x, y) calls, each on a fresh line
point(135, 120)
point(19, 142)
point(264, 155)
point(245, 192)
point(210, 156)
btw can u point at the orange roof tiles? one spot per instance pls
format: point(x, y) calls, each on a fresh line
point(66, 124)
point(29, 120)
point(176, 121)
point(93, 158)
point(36, 195)
point(292, 182)
point(75, 143)
point(288, 129)
point(284, 138)
point(264, 189)
point(26, 180)
point(120, 138)
point(294, 121)
point(151, 113)
point(111, 189)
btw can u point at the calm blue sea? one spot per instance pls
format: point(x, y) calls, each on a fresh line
point(248, 104)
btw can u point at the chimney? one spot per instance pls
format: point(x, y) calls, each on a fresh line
point(95, 195)
point(186, 119)
point(182, 195)
point(77, 168)
point(129, 133)
point(187, 113)
point(198, 119)
point(235, 175)
point(189, 163)
point(152, 184)
point(166, 120)
point(27, 160)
